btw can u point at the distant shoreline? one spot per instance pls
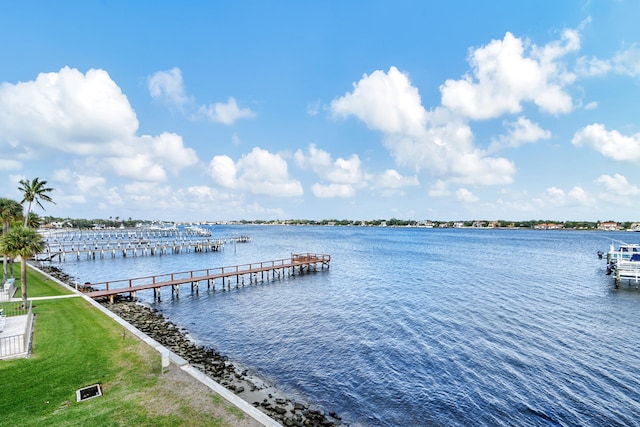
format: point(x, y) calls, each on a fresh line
point(632, 227)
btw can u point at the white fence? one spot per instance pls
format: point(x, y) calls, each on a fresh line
point(8, 290)
point(17, 340)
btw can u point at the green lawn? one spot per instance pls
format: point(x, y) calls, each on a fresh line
point(76, 345)
point(39, 286)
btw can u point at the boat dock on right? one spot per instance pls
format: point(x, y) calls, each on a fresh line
point(623, 263)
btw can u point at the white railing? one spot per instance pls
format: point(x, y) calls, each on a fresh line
point(17, 344)
point(8, 290)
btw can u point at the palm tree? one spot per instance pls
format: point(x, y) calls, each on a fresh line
point(34, 221)
point(24, 242)
point(10, 211)
point(34, 191)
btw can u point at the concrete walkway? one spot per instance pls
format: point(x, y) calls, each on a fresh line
point(46, 298)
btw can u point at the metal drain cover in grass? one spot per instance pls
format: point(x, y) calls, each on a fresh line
point(88, 392)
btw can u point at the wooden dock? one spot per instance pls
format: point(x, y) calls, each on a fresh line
point(251, 273)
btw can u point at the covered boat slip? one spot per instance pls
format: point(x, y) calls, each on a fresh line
point(298, 263)
point(624, 263)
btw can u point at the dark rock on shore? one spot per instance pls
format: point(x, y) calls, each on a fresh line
point(220, 369)
point(58, 274)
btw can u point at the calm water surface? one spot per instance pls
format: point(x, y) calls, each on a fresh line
point(414, 327)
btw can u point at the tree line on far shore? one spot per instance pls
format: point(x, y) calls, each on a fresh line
point(117, 222)
point(394, 222)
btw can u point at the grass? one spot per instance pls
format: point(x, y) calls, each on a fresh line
point(76, 345)
point(38, 285)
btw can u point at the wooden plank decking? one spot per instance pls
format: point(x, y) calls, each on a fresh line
point(301, 262)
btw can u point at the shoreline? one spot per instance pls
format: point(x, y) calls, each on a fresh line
point(219, 368)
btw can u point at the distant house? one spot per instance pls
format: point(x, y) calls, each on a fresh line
point(54, 224)
point(548, 226)
point(635, 226)
point(608, 226)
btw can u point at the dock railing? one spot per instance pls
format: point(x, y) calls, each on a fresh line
point(124, 285)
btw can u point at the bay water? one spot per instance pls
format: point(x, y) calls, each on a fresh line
point(420, 327)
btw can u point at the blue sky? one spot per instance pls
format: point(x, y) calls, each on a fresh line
point(216, 110)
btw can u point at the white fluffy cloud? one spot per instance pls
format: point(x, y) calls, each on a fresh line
point(168, 87)
point(88, 117)
point(439, 188)
point(392, 180)
point(625, 62)
point(8, 164)
point(333, 190)
point(436, 141)
point(258, 172)
point(149, 158)
point(505, 73)
point(384, 101)
point(591, 105)
point(617, 185)
point(464, 195)
point(610, 144)
point(577, 196)
point(345, 176)
point(227, 113)
point(520, 132)
point(342, 171)
point(169, 150)
point(82, 183)
point(84, 114)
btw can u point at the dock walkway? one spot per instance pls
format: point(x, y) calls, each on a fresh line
point(98, 245)
point(299, 263)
